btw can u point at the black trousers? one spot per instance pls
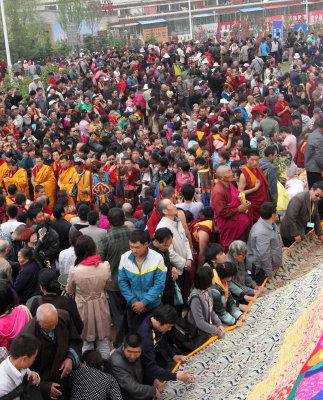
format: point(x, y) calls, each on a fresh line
point(313, 177)
point(118, 306)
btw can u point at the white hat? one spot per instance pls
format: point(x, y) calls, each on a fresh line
point(205, 61)
point(197, 87)
point(36, 77)
point(297, 56)
point(142, 50)
point(224, 101)
point(197, 41)
point(166, 55)
point(52, 102)
point(145, 86)
point(216, 64)
point(196, 58)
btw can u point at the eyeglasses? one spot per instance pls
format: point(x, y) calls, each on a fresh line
point(111, 159)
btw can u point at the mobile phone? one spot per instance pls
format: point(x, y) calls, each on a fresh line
point(43, 231)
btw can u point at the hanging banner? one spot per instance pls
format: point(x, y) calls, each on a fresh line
point(161, 34)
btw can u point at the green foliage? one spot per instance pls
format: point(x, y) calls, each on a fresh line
point(23, 85)
point(71, 11)
point(28, 35)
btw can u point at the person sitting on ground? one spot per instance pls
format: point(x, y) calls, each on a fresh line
point(156, 351)
point(223, 303)
point(126, 366)
point(201, 306)
point(51, 293)
point(242, 286)
point(302, 215)
point(15, 368)
point(264, 250)
point(60, 349)
point(89, 380)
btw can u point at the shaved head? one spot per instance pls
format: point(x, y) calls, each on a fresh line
point(222, 170)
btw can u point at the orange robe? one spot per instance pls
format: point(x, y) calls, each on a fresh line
point(66, 178)
point(3, 169)
point(19, 178)
point(45, 177)
point(83, 182)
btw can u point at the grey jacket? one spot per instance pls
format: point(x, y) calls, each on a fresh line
point(268, 125)
point(205, 319)
point(269, 170)
point(130, 377)
point(94, 232)
point(313, 156)
point(264, 250)
point(298, 215)
point(241, 280)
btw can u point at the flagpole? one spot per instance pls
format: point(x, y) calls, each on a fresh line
point(190, 18)
point(5, 33)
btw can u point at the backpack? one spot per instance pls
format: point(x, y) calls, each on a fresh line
point(186, 335)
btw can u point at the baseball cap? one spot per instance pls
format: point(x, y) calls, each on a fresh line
point(237, 109)
point(177, 143)
point(197, 88)
point(52, 102)
point(13, 107)
point(36, 77)
point(317, 111)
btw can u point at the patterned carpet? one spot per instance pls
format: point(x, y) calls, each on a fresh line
point(230, 368)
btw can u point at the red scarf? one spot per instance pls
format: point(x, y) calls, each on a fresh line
point(92, 260)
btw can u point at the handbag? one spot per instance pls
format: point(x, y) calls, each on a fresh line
point(74, 190)
point(178, 298)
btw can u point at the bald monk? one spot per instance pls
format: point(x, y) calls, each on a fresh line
point(229, 214)
point(66, 177)
point(43, 175)
point(17, 176)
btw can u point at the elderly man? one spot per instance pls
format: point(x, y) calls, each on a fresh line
point(229, 213)
point(4, 264)
point(179, 252)
point(35, 84)
point(264, 251)
point(302, 215)
point(59, 352)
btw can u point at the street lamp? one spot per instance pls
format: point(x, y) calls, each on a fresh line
point(5, 33)
point(190, 18)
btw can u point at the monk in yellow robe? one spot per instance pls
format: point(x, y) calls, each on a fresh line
point(66, 177)
point(43, 175)
point(82, 178)
point(16, 176)
point(3, 168)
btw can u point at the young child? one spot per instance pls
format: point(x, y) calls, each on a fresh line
point(204, 180)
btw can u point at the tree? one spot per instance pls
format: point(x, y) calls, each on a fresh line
point(70, 15)
point(93, 16)
point(26, 31)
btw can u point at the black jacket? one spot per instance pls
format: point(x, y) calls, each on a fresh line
point(26, 284)
point(62, 227)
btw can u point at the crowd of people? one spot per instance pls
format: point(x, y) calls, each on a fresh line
point(140, 190)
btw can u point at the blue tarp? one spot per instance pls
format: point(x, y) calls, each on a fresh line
point(152, 21)
point(251, 9)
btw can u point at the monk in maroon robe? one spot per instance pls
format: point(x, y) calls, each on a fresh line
point(230, 215)
point(254, 184)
